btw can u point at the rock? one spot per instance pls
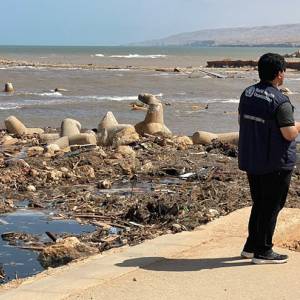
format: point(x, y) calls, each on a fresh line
point(147, 167)
point(183, 141)
point(126, 151)
point(70, 127)
point(8, 87)
point(105, 184)
point(64, 252)
point(18, 162)
point(212, 214)
point(54, 175)
point(125, 136)
point(35, 151)
point(64, 169)
point(176, 228)
point(204, 138)
point(33, 173)
point(31, 188)
point(154, 120)
point(52, 148)
point(8, 140)
point(86, 171)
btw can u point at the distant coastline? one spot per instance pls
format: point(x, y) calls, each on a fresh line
point(287, 35)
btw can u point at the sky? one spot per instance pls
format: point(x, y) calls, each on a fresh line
point(119, 22)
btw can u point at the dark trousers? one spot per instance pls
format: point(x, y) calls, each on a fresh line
point(268, 193)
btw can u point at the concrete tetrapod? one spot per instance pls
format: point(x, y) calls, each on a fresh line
point(204, 137)
point(70, 135)
point(83, 139)
point(15, 126)
point(48, 138)
point(8, 87)
point(154, 120)
point(70, 127)
point(109, 127)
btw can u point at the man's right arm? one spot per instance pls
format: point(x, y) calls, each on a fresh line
point(290, 132)
point(285, 118)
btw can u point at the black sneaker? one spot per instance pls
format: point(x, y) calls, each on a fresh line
point(269, 258)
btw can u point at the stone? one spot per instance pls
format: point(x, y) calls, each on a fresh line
point(183, 140)
point(63, 252)
point(55, 175)
point(105, 184)
point(212, 214)
point(176, 228)
point(64, 169)
point(70, 127)
point(125, 136)
point(8, 87)
point(8, 140)
point(147, 167)
point(86, 171)
point(31, 188)
point(126, 151)
point(33, 173)
point(52, 148)
point(35, 151)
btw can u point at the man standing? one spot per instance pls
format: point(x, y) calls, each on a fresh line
point(267, 152)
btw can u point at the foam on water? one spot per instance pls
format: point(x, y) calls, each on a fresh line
point(60, 99)
point(139, 56)
point(46, 94)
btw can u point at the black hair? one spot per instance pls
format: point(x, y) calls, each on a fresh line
point(269, 65)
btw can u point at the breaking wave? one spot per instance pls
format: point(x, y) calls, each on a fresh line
point(27, 103)
point(139, 56)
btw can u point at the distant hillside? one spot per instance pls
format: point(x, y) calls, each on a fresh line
point(279, 35)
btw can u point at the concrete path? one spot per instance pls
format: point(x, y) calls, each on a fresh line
point(203, 264)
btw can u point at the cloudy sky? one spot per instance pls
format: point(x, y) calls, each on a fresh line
point(115, 22)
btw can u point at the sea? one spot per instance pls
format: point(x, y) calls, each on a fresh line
point(193, 100)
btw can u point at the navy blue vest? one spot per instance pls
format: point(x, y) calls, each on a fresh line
point(262, 148)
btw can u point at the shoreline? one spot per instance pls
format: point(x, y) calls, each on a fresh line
point(130, 198)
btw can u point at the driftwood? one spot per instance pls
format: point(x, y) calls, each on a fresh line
point(213, 74)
